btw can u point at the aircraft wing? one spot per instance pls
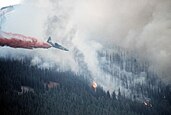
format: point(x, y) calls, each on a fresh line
point(61, 47)
point(6, 9)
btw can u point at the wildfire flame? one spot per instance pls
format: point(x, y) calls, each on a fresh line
point(94, 85)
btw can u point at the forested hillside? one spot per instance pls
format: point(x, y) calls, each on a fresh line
point(28, 90)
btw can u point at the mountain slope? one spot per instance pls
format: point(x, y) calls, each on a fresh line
point(72, 96)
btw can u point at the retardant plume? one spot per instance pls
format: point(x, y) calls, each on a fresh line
point(21, 41)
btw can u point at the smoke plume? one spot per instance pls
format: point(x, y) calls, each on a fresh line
point(141, 26)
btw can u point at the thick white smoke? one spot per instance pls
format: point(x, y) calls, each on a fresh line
point(141, 26)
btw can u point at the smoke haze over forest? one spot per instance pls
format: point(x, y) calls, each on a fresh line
point(141, 26)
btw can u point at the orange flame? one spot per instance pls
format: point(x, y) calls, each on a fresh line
point(94, 85)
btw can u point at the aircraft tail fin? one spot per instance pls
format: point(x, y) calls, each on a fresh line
point(49, 39)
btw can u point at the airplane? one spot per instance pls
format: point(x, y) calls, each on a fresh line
point(6, 9)
point(56, 45)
